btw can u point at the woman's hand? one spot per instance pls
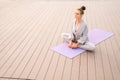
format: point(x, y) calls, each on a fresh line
point(75, 45)
point(70, 44)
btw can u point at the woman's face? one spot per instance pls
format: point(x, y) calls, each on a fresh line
point(77, 14)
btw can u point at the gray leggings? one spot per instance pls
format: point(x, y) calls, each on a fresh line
point(87, 46)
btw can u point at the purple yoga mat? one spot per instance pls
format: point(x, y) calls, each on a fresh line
point(95, 36)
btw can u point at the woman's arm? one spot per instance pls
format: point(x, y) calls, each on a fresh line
point(84, 36)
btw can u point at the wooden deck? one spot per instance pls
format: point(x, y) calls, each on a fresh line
point(29, 29)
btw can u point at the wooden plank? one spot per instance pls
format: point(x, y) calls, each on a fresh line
point(114, 67)
point(91, 55)
point(66, 75)
point(75, 65)
point(9, 78)
point(57, 40)
point(24, 53)
point(113, 63)
point(91, 66)
point(21, 30)
point(6, 50)
point(105, 59)
point(115, 41)
point(59, 73)
point(13, 57)
point(10, 38)
point(83, 67)
point(18, 51)
point(13, 23)
point(5, 25)
point(35, 54)
point(44, 48)
point(49, 54)
point(67, 69)
point(106, 64)
point(5, 41)
point(60, 68)
point(99, 70)
point(41, 63)
point(7, 59)
point(75, 68)
point(61, 63)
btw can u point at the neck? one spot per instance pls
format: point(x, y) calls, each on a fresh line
point(78, 20)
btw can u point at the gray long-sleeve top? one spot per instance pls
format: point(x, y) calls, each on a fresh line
point(81, 33)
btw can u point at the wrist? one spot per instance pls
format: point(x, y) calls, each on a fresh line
point(78, 43)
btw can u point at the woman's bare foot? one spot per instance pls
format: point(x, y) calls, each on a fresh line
point(69, 46)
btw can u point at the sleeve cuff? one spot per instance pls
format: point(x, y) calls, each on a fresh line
point(81, 42)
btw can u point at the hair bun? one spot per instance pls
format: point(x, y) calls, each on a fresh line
point(83, 8)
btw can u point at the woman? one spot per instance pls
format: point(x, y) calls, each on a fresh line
point(79, 32)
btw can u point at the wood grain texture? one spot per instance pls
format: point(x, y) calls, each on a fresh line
point(30, 28)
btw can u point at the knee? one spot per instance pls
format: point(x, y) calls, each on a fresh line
point(65, 35)
point(62, 35)
point(92, 48)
